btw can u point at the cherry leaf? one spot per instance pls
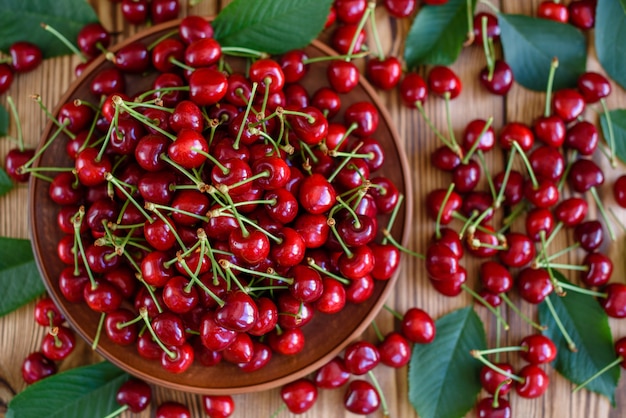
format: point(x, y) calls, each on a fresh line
point(437, 34)
point(87, 391)
point(618, 121)
point(588, 326)
point(19, 276)
point(530, 44)
point(21, 20)
point(6, 185)
point(272, 26)
point(610, 35)
point(443, 376)
point(4, 121)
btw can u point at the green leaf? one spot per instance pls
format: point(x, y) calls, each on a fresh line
point(21, 20)
point(87, 391)
point(437, 34)
point(443, 376)
point(530, 44)
point(272, 26)
point(4, 121)
point(19, 276)
point(618, 121)
point(610, 38)
point(588, 326)
point(6, 185)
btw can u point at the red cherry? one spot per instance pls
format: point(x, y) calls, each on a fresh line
point(361, 357)
point(442, 80)
point(538, 349)
point(36, 366)
point(299, 396)
point(332, 375)
point(568, 104)
point(6, 78)
point(549, 9)
point(535, 383)
point(400, 8)
point(485, 408)
point(361, 397)
point(394, 350)
point(384, 74)
point(491, 380)
point(493, 29)
point(582, 14)
point(134, 393)
point(615, 302)
point(221, 406)
point(25, 56)
point(593, 86)
point(172, 410)
point(58, 343)
point(534, 285)
point(417, 326)
point(500, 81)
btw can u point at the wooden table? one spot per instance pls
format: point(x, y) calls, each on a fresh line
point(19, 335)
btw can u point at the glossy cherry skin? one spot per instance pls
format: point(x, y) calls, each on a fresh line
point(59, 347)
point(394, 350)
point(164, 10)
point(316, 195)
point(342, 37)
point(36, 366)
point(172, 410)
point(520, 250)
point(549, 9)
point(332, 375)
point(418, 326)
point(538, 349)
point(571, 211)
point(568, 104)
point(485, 408)
point(125, 335)
point(289, 342)
point(384, 74)
point(218, 406)
point(582, 137)
point(535, 384)
point(442, 80)
point(585, 174)
point(599, 269)
point(182, 360)
point(343, 76)
point(500, 81)
point(413, 89)
point(493, 29)
point(534, 285)
point(516, 132)
point(593, 86)
point(441, 262)
point(91, 36)
point(495, 277)
point(134, 393)
point(361, 357)
point(589, 234)
point(299, 396)
point(361, 397)
point(25, 56)
point(550, 129)
point(547, 163)
point(207, 86)
point(615, 303)
point(490, 379)
point(400, 8)
point(582, 14)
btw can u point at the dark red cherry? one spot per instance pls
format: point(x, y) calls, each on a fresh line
point(538, 349)
point(299, 396)
point(218, 406)
point(534, 285)
point(500, 80)
point(25, 56)
point(400, 8)
point(384, 74)
point(332, 375)
point(582, 14)
point(552, 10)
point(36, 366)
point(134, 393)
point(488, 408)
point(593, 86)
point(568, 104)
point(589, 234)
point(442, 80)
point(491, 380)
point(361, 397)
point(535, 383)
point(614, 304)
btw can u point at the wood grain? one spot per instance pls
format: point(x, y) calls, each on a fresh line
point(19, 335)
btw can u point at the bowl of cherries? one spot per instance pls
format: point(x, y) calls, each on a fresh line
point(218, 223)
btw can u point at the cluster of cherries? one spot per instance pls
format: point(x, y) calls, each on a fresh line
point(580, 13)
point(138, 12)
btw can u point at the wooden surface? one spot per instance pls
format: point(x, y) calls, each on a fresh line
point(19, 335)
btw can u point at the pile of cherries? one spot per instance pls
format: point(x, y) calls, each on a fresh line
point(138, 12)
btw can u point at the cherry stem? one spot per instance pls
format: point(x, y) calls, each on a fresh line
point(446, 98)
point(311, 262)
point(554, 64)
point(476, 143)
point(605, 369)
point(165, 36)
point(96, 338)
point(374, 30)
point(392, 240)
point(333, 227)
point(562, 252)
point(199, 184)
point(605, 216)
point(149, 289)
point(18, 125)
point(238, 51)
point(117, 412)
point(529, 167)
point(488, 56)
point(335, 57)
point(109, 177)
point(166, 220)
point(478, 356)
point(280, 409)
point(359, 28)
point(395, 313)
point(485, 168)
point(487, 305)
point(571, 345)
point(470, 23)
point(120, 103)
point(441, 209)
point(609, 124)
point(65, 41)
point(143, 311)
point(25, 168)
point(181, 64)
point(581, 290)
point(255, 85)
point(453, 146)
point(392, 218)
point(50, 116)
point(122, 325)
point(521, 314)
point(345, 161)
point(491, 5)
point(496, 395)
point(77, 222)
point(379, 334)
point(383, 400)
point(225, 264)
point(501, 350)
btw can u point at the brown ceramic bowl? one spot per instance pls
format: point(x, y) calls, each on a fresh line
point(325, 336)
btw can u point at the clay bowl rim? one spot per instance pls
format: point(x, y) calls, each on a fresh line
point(299, 372)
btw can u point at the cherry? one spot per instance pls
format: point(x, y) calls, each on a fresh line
point(37, 366)
point(350, 11)
point(413, 89)
point(6, 78)
point(516, 132)
point(316, 195)
point(361, 357)
point(435, 201)
point(343, 76)
point(193, 27)
point(453, 286)
point(384, 73)
point(58, 343)
point(568, 104)
point(442, 80)
point(240, 351)
point(441, 262)
point(492, 380)
point(218, 406)
point(552, 10)
point(239, 312)
point(332, 375)
point(490, 408)
point(417, 326)
point(495, 277)
point(268, 74)
point(500, 80)
point(172, 410)
point(538, 349)
point(550, 129)
point(343, 36)
point(493, 29)
point(589, 235)
point(619, 191)
point(599, 269)
point(135, 11)
point(117, 329)
point(400, 8)
point(92, 37)
point(164, 10)
point(47, 313)
point(582, 14)
point(207, 86)
point(593, 86)
point(615, 302)
point(333, 297)
point(134, 394)
point(519, 252)
point(180, 361)
point(571, 211)
point(394, 350)
point(25, 56)
point(361, 397)
point(535, 382)
point(288, 342)
point(582, 137)
point(584, 175)
point(534, 285)
point(547, 163)
point(299, 396)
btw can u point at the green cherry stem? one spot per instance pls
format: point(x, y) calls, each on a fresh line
point(554, 64)
point(392, 240)
point(383, 399)
point(65, 41)
point(453, 146)
point(571, 345)
point(486, 304)
point(478, 356)
point(392, 218)
point(605, 369)
point(18, 125)
point(255, 85)
point(315, 266)
point(370, 8)
point(143, 311)
point(609, 124)
point(476, 143)
point(441, 208)
point(379, 334)
point(374, 30)
point(605, 216)
point(521, 314)
point(527, 164)
point(487, 49)
point(96, 338)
